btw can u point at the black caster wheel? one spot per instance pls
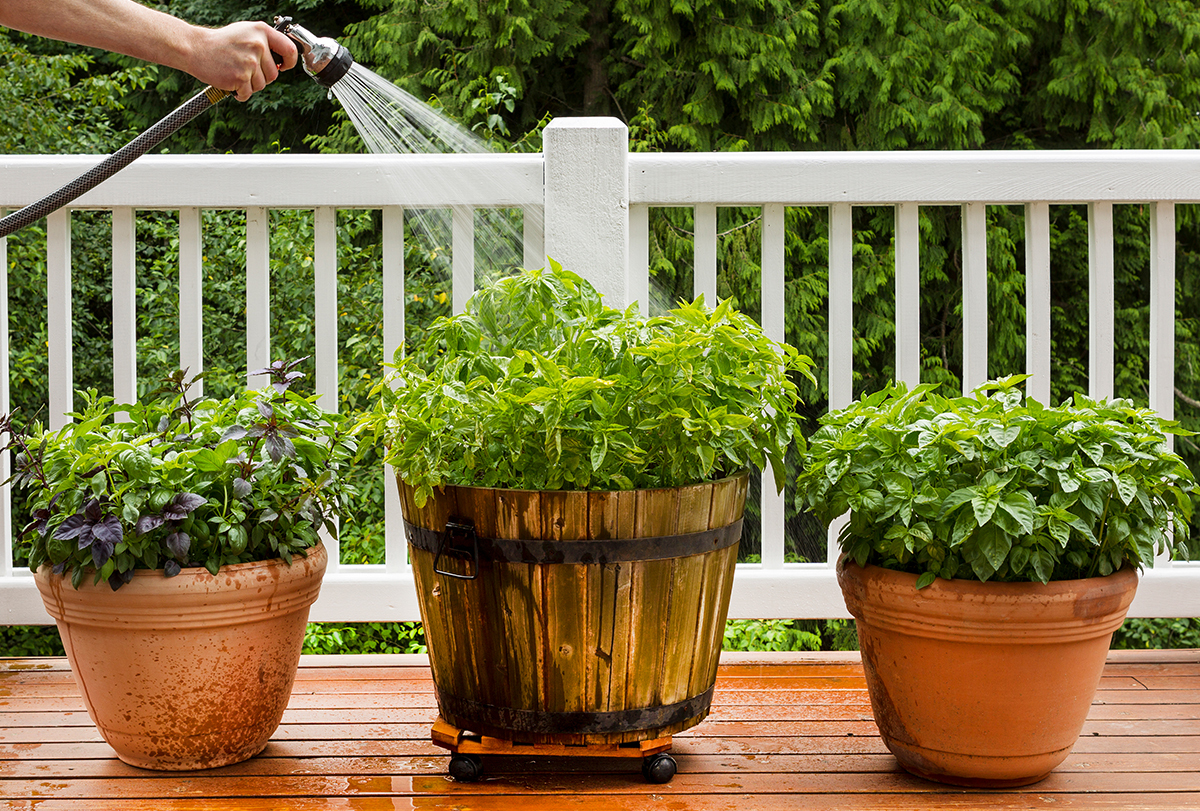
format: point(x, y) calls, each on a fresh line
point(466, 768)
point(658, 768)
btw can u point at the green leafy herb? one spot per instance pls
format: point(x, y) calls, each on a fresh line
point(995, 486)
point(173, 482)
point(538, 385)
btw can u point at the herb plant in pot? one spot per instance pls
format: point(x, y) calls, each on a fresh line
point(573, 479)
point(175, 543)
point(992, 548)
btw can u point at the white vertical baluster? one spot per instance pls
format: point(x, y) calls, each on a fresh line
point(841, 325)
point(841, 306)
point(638, 283)
point(1162, 320)
point(191, 296)
point(773, 271)
point(325, 312)
point(463, 257)
point(1101, 329)
point(705, 247)
point(533, 248)
point(975, 295)
point(1037, 300)
point(395, 547)
point(58, 317)
point(6, 531)
point(124, 307)
point(258, 294)
point(325, 268)
point(1162, 309)
point(908, 293)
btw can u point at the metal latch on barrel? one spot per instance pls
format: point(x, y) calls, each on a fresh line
point(453, 544)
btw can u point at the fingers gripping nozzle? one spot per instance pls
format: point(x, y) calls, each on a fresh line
point(324, 59)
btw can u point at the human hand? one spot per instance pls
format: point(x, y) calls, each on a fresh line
point(239, 57)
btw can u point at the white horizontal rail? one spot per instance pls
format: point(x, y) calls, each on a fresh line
point(836, 182)
point(930, 178)
point(283, 181)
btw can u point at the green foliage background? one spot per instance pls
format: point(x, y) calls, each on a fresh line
point(686, 75)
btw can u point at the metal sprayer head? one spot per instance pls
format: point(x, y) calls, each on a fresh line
point(324, 59)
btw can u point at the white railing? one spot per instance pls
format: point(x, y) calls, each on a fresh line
point(595, 199)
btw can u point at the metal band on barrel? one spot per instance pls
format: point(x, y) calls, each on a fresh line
point(504, 550)
point(573, 723)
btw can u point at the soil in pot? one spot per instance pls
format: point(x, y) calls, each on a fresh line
point(575, 617)
point(982, 684)
point(192, 671)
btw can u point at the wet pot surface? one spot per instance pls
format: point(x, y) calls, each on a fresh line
point(192, 671)
point(982, 684)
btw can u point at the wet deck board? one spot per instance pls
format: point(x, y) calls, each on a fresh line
point(787, 731)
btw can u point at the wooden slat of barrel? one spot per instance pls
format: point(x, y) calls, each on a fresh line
point(564, 515)
point(657, 512)
point(685, 624)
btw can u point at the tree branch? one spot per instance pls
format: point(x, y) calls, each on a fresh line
point(1187, 400)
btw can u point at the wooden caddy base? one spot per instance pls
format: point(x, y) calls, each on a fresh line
point(467, 747)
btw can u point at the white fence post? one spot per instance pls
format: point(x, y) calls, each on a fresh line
point(587, 202)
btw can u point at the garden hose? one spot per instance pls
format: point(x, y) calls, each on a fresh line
point(113, 163)
point(324, 60)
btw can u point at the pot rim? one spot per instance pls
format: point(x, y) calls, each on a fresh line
point(744, 473)
point(967, 583)
point(197, 571)
point(983, 612)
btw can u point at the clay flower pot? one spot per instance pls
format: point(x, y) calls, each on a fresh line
point(191, 671)
point(982, 684)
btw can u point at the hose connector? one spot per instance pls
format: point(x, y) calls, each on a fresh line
point(324, 59)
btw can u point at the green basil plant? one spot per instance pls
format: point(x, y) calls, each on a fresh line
point(538, 385)
point(997, 486)
point(173, 481)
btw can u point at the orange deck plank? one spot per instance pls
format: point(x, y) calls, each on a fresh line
point(787, 731)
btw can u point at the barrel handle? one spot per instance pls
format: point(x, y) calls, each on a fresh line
point(464, 529)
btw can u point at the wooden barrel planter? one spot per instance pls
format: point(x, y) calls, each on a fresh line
point(575, 616)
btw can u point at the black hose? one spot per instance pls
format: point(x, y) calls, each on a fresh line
point(113, 163)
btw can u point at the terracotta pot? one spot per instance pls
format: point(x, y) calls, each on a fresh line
point(982, 684)
point(191, 671)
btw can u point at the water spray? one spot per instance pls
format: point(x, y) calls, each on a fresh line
point(324, 60)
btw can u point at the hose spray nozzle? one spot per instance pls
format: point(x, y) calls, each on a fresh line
point(324, 59)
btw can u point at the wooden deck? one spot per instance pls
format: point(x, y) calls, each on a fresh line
point(788, 731)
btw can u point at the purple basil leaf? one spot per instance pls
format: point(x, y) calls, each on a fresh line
point(264, 371)
point(101, 552)
point(164, 423)
point(241, 487)
point(233, 432)
point(92, 511)
point(148, 522)
point(274, 446)
point(59, 568)
point(118, 579)
point(179, 543)
point(188, 502)
point(70, 528)
point(85, 536)
point(281, 387)
point(109, 530)
point(171, 568)
point(265, 409)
